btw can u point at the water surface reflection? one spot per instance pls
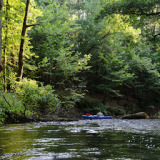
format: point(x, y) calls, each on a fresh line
point(83, 140)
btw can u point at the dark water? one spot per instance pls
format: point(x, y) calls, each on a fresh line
point(82, 140)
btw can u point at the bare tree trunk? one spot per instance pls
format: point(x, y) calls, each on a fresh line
point(21, 51)
point(1, 5)
point(5, 46)
point(12, 57)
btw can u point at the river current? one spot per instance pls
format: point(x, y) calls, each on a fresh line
point(108, 139)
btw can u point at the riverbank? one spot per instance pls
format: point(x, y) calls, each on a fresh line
point(51, 118)
point(75, 114)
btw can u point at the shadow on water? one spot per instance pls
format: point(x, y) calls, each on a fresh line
point(82, 140)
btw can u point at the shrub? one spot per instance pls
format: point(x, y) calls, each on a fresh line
point(10, 104)
point(37, 98)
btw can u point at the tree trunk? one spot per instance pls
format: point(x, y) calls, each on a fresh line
point(21, 51)
point(1, 5)
point(5, 46)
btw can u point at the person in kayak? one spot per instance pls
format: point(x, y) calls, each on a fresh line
point(99, 114)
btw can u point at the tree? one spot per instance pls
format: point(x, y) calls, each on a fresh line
point(1, 6)
point(21, 56)
point(13, 15)
point(131, 7)
point(115, 32)
point(53, 42)
point(20, 62)
point(5, 43)
point(143, 14)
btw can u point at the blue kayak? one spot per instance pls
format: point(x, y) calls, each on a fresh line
point(93, 117)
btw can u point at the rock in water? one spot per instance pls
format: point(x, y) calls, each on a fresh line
point(139, 115)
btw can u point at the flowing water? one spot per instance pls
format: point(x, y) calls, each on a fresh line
point(82, 140)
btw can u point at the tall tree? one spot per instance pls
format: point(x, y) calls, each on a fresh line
point(119, 40)
point(20, 62)
point(21, 51)
point(53, 41)
point(5, 44)
point(1, 5)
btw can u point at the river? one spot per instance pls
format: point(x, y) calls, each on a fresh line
point(109, 139)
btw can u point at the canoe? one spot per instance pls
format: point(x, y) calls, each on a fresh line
point(93, 117)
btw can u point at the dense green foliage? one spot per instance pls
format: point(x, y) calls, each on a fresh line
point(37, 99)
point(53, 39)
point(10, 104)
point(29, 100)
point(108, 49)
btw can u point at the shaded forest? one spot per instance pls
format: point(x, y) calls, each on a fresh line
point(68, 57)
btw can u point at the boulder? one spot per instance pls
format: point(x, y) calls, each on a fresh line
point(139, 115)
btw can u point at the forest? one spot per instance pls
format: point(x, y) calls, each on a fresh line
point(63, 58)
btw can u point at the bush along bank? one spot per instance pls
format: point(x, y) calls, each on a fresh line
point(28, 102)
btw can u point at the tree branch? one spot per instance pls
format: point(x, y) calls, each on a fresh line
point(41, 70)
point(154, 37)
point(96, 44)
point(140, 13)
point(32, 25)
point(157, 35)
point(6, 101)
